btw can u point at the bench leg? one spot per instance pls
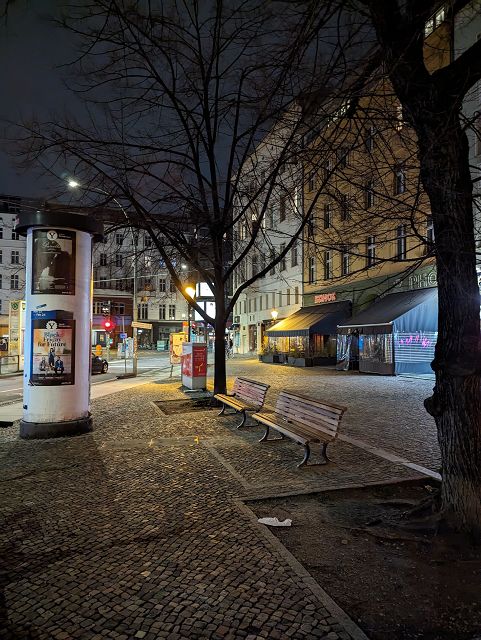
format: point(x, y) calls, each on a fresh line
point(266, 434)
point(324, 453)
point(243, 421)
point(265, 437)
point(223, 410)
point(307, 453)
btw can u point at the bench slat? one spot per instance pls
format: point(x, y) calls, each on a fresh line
point(248, 395)
point(333, 408)
point(301, 412)
point(310, 433)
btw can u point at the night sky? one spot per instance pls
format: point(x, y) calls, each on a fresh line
point(30, 51)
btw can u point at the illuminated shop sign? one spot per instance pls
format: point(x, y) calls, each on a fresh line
point(325, 297)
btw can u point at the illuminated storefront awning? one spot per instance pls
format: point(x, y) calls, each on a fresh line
point(320, 318)
point(396, 312)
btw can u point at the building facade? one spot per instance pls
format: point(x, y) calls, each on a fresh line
point(12, 264)
point(158, 301)
point(272, 210)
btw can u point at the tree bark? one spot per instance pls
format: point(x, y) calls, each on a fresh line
point(456, 402)
point(220, 385)
point(432, 104)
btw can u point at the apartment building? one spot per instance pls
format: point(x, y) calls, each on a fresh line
point(272, 210)
point(12, 264)
point(158, 301)
point(467, 30)
point(368, 244)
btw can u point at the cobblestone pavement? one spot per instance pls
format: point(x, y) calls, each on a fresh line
point(384, 411)
point(134, 531)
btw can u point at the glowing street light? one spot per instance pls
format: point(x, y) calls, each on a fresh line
point(274, 314)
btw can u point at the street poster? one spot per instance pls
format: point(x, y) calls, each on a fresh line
point(175, 347)
point(53, 348)
point(200, 360)
point(187, 362)
point(53, 262)
point(14, 327)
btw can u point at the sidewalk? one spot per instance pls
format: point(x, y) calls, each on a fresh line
point(140, 529)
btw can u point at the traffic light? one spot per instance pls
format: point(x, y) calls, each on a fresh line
point(108, 324)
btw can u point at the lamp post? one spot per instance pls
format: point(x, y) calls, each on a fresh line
point(74, 184)
point(190, 291)
point(274, 314)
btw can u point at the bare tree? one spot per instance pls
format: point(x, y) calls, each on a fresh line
point(178, 97)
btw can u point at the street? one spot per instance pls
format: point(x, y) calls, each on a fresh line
point(11, 386)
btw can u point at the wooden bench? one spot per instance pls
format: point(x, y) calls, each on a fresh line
point(248, 395)
point(303, 420)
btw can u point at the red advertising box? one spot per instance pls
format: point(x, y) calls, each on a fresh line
point(194, 365)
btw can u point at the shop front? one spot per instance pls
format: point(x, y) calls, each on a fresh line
point(396, 334)
point(159, 337)
point(308, 336)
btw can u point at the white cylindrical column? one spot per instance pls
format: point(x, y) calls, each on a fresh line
point(56, 389)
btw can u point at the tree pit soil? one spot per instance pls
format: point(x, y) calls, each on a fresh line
point(396, 579)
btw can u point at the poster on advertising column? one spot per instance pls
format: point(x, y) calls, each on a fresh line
point(53, 262)
point(53, 348)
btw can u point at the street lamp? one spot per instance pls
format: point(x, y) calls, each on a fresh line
point(274, 314)
point(74, 184)
point(190, 291)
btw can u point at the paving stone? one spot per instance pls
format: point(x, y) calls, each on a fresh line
point(132, 531)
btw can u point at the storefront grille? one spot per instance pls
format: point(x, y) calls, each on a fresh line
point(415, 346)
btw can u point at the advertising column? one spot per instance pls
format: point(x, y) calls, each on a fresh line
point(56, 386)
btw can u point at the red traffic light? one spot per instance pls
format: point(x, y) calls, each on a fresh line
point(108, 324)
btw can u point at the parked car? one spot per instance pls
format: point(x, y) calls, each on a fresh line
point(99, 365)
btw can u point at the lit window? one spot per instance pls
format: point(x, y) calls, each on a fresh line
point(294, 255)
point(327, 265)
point(399, 180)
point(312, 270)
point(255, 265)
point(369, 133)
point(327, 216)
point(370, 251)
point(345, 260)
point(369, 194)
point(429, 234)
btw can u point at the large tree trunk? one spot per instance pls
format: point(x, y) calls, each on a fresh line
point(219, 355)
point(456, 402)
